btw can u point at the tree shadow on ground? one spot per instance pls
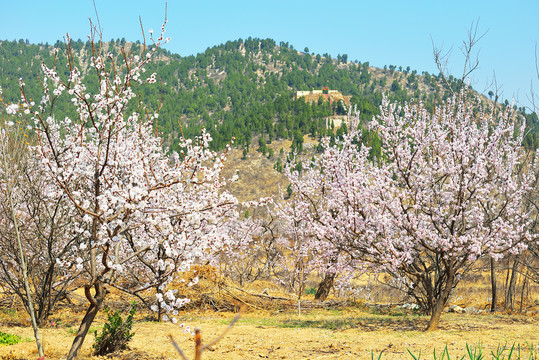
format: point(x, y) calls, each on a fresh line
point(402, 323)
point(360, 323)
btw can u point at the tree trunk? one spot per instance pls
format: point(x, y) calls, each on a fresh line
point(44, 301)
point(524, 285)
point(494, 292)
point(93, 309)
point(325, 287)
point(441, 301)
point(301, 285)
point(510, 294)
point(159, 309)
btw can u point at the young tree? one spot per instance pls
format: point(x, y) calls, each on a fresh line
point(295, 263)
point(251, 252)
point(13, 239)
point(334, 210)
point(41, 227)
point(141, 215)
point(45, 231)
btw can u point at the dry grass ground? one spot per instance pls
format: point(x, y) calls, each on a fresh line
point(271, 329)
point(349, 333)
point(275, 331)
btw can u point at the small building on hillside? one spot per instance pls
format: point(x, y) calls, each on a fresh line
point(327, 94)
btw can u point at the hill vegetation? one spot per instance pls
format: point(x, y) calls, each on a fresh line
point(243, 89)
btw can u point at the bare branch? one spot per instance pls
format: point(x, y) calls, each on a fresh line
point(99, 30)
point(199, 348)
point(467, 46)
point(217, 339)
point(177, 347)
point(441, 59)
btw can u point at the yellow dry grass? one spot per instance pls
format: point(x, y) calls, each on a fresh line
point(350, 333)
point(272, 329)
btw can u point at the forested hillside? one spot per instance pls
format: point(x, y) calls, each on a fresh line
point(241, 89)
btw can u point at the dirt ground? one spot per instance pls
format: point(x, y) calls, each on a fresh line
point(350, 333)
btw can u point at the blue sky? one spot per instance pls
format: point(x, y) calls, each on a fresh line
point(381, 32)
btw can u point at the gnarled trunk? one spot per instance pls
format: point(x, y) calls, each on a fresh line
point(95, 304)
point(441, 301)
point(325, 287)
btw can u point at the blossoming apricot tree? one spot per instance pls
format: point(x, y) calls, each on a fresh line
point(450, 189)
point(460, 184)
point(140, 215)
point(331, 211)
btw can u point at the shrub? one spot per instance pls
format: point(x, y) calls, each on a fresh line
point(116, 332)
point(310, 291)
point(9, 339)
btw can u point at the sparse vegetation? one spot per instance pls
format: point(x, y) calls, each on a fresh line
point(9, 339)
point(475, 352)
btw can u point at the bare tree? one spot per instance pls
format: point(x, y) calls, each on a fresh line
point(471, 60)
point(199, 348)
point(13, 150)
